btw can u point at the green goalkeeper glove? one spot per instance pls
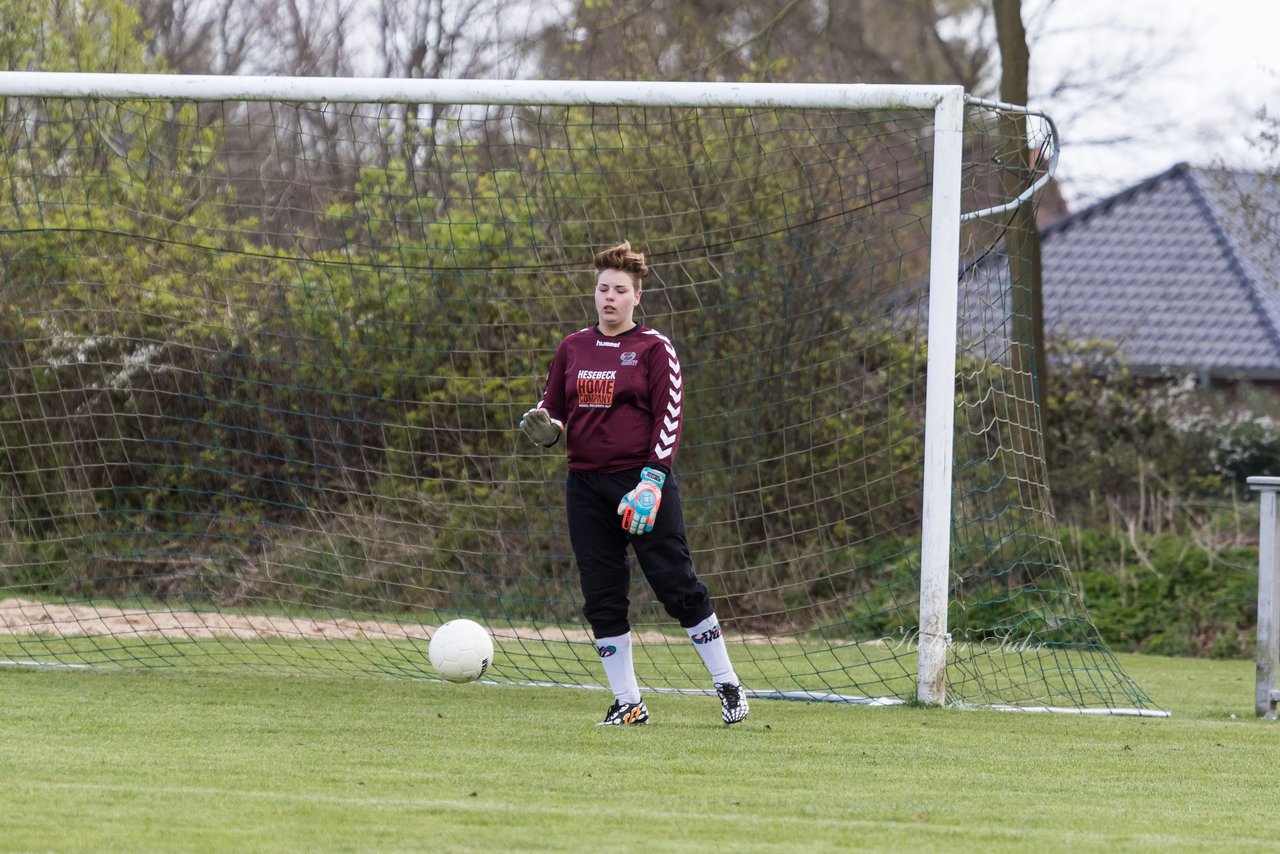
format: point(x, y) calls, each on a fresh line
point(639, 507)
point(541, 427)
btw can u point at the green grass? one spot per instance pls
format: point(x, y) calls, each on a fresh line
point(198, 761)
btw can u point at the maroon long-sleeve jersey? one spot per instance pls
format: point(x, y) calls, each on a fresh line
point(620, 398)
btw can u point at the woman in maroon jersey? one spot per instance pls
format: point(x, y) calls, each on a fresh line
point(616, 393)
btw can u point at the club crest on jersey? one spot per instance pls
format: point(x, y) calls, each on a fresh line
point(606, 651)
point(708, 636)
point(629, 359)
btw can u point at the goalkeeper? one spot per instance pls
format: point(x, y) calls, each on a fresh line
point(615, 393)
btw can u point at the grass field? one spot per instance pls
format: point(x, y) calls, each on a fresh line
point(191, 761)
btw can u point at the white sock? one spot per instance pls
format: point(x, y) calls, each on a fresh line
point(709, 642)
point(619, 669)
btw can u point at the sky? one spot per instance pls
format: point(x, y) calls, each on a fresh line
point(1152, 83)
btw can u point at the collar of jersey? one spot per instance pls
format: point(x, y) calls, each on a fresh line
point(595, 327)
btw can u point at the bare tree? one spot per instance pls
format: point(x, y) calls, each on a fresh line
point(1022, 237)
point(1093, 87)
point(430, 39)
point(200, 37)
point(783, 40)
point(419, 39)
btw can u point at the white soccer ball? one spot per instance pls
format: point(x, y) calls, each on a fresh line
point(461, 650)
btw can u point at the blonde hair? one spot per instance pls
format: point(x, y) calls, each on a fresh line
point(621, 257)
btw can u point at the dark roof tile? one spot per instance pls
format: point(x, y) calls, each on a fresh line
point(1180, 271)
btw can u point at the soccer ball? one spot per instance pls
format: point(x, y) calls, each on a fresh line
point(461, 650)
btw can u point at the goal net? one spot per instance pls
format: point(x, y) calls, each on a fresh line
point(264, 353)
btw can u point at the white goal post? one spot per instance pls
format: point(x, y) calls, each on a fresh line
point(1266, 690)
point(947, 103)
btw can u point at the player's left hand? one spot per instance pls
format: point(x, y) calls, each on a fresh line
point(639, 507)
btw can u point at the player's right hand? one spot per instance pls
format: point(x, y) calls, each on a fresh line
point(541, 427)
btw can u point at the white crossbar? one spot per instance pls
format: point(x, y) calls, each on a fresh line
point(196, 87)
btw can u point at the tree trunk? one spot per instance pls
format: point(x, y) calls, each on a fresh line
point(1023, 240)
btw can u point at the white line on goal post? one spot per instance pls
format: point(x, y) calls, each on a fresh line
point(940, 405)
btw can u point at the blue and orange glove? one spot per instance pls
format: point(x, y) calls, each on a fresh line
point(639, 507)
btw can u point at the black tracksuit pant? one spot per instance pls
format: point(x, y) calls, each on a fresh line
point(600, 547)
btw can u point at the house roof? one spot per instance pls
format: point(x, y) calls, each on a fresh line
point(1181, 271)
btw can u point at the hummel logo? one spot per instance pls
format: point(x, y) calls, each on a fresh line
point(608, 344)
